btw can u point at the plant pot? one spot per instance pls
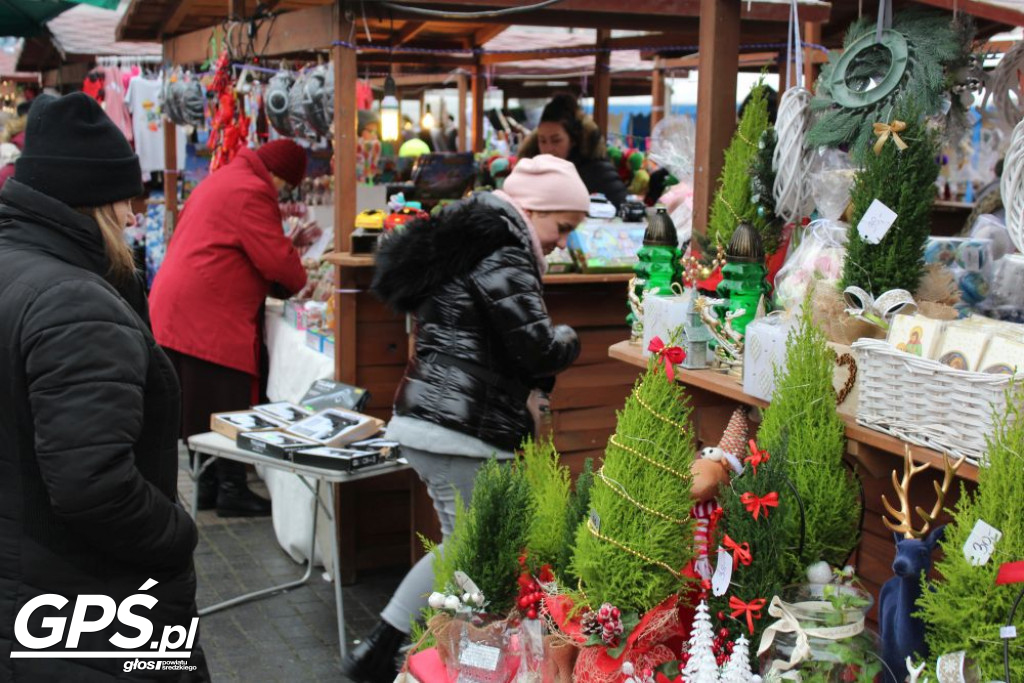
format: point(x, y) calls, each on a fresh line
point(820, 635)
point(477, 649)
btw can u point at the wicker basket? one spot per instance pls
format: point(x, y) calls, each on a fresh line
point(925, 402)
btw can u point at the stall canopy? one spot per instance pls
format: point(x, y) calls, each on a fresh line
point(25, 18)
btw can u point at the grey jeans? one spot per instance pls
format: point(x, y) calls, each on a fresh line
point(443, 475)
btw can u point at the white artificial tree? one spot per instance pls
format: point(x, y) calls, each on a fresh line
point(737, 670)
point(701, 667)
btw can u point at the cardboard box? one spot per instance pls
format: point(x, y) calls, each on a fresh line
point(764, 349)
point(336, 427)
point(274, 442)
point(325, 393)
point(231, 424)
point(846, 366)
point(663, 318)
point(315, 340)
point(283, 412)
point(341, 459)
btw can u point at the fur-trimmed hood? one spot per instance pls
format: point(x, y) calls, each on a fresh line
point(412, 263)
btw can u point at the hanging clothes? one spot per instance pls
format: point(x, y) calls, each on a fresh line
point(114, 103)
point(364, 95)
point(93, 85)
point(145, 104)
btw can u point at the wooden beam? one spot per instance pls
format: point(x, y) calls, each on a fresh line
point(658, 99)
point(977, 8)
point(812, 34)
point(410, 30)
point(176, 16)
point(716, 99)
point(488, 33)
point(463, 87)
point(291, 32)
point(747, 60)
point(344, 195)
point(479, 86)
point(505, 57)
point(602, 82)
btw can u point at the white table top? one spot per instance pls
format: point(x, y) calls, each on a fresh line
point(218, 445)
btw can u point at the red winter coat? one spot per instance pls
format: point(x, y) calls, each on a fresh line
point(227, 250)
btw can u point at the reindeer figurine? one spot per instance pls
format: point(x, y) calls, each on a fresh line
point(903, 634)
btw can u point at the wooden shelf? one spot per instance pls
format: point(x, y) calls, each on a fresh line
point(349, 260)
point(869, 447)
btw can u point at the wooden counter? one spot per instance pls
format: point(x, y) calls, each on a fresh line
point(382, 517)
point(873, 455)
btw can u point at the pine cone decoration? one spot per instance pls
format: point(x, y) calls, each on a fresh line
point(589, 624)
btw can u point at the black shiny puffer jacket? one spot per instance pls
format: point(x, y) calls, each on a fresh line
point(484, 338)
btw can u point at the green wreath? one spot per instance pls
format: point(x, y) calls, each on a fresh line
point(865, 83)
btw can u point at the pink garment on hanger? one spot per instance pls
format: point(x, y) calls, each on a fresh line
point(114, 103)
point(128, 74)
point(364, 95)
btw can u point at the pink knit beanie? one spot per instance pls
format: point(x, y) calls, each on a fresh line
point(547, 183)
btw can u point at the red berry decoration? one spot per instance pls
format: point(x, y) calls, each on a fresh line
point(723, 633)
point(721, 616)
point(611, 623)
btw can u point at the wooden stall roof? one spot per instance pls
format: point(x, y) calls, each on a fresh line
point(159, 19)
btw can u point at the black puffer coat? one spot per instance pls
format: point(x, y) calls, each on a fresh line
point(88, 443)
point(484, 338)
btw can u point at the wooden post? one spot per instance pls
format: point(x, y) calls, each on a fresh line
point(716, 99)
point(602, 81)
point(479, 86)
point(463, 88)
point(170, 172)
point(344, 199)
point(812, 34)
point(659, 101)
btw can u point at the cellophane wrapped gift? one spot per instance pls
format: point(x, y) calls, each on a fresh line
point(663, 318)
point(818, 259)
point(478, 649)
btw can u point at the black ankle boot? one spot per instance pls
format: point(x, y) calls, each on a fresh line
point(373, 660)
point(234, 499)
point(207, 491)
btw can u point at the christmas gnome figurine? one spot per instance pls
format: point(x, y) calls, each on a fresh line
point(711, 470)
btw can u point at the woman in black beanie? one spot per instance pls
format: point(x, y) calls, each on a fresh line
point(88, 469)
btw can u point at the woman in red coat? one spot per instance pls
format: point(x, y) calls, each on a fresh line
point(228, 250)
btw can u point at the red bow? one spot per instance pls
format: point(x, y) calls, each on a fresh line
point(740, 551)
point(1010, 572)
point(756, 457)
point(751, 609)
point(754, 503)
point(671, 356)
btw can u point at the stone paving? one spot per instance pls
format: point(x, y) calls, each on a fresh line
point(291, 636)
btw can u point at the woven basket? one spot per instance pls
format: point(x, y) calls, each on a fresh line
point(925, 402)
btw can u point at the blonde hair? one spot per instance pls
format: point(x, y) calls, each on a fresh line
point(122, 261)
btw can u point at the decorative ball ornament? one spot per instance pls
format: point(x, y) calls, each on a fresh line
point(275, 99)
point(452, 603)
point(792, 159)
point(436, 600)
point(1012, 187)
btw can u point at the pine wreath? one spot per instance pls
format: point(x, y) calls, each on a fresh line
point(910, 62)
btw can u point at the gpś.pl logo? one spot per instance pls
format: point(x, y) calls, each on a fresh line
point(142, 651)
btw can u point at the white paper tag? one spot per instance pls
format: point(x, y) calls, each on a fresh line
point(981, 542)
point(875, 222)
point(479, 656)
point(1008, 632)
point(723, 573)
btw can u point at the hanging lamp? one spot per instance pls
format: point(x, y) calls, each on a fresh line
point(389, 128)
point(427, 122)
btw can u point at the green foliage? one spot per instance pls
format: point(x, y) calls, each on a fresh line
point(771, 539)
point(762, 184)
point(802, 417)
point(489, 537)
point(550, 485)
point(655, 423)
point(903, 181)
point(575, 512)
point(732, 204)
point(965, 610)
point(934, 44)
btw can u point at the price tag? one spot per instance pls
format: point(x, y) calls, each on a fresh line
point(480, 656)
point(875, 222)
point(981, 542)
point(1008, 632)
point(723, 573)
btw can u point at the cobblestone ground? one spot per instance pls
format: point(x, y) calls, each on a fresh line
point(290, 636)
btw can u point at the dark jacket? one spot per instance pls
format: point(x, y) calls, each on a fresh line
point(88, 442)
point(472, 280)
point(591, 160)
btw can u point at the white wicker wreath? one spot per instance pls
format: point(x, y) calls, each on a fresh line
point(1012, 187)
point(792, 160)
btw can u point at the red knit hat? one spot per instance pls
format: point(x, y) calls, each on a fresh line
point(285, 159)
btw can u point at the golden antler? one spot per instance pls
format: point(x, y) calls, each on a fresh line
point(949, 469)
point(904, 516)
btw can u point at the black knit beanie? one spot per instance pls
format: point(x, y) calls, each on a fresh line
point(74, 152)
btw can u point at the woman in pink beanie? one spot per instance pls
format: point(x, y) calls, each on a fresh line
point(485, 350)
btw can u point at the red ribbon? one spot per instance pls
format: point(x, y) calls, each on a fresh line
point(740, 551)
point(751, 609)
point(756, 457)
point(755, 503)
point(1010, 572)
point(671, 356)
